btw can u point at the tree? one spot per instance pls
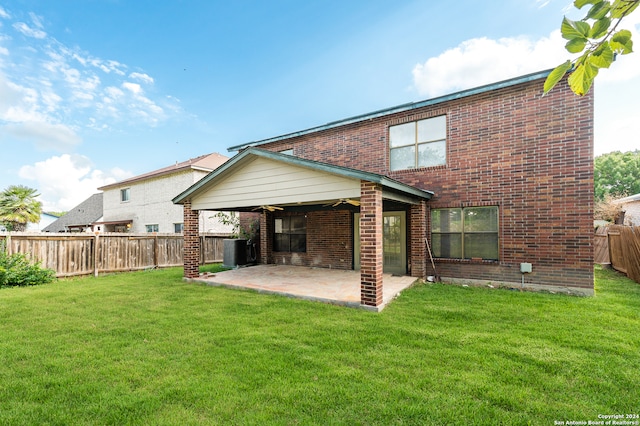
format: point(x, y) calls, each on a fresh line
point(18, 207)
point(249, 231)
point(597, 37)
point(607, 209)
point(617, 174)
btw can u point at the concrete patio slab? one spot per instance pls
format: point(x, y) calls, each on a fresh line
point(318, 284)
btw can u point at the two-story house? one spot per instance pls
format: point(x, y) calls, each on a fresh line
point(494, 183)
point(143, 203)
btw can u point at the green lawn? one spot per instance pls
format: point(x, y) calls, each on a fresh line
point(146, 348)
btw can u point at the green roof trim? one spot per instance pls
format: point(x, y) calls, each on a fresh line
point(400, 108)
point(236, 161)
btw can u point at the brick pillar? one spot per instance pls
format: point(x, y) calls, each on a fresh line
point(266, 236)
point(419, 254)
point(371, 259)
point(191, 257)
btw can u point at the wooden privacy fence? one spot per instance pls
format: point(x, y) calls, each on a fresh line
point(85, 254)
point(601, 246)
point(623, 247)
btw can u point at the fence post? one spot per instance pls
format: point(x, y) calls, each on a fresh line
point(95, 254)
point(202, 249)
point(155, 252)
point(8, 243)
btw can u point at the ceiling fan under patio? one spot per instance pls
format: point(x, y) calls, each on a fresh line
point(269, 208)
point(344, 201)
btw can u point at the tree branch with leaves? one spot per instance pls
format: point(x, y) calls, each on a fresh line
point(599, 40)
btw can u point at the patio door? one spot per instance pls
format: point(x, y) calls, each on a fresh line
point(394, 242)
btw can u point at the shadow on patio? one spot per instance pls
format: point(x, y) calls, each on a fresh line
point(333, 286)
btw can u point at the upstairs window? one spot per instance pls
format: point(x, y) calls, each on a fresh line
point(465, 233)
point(152, 228)
point(420, 143)
point(290, 234)
point(178, 228)
point(124, 194)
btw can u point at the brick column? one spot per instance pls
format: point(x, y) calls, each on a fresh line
point(266, 235)
point(371, 259)
point(191, 257)
point(419, 255)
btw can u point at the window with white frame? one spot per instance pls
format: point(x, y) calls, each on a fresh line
point(125, 194)
point(465, 233)
point(152, 228)
point(178, 228)
point(421, 143)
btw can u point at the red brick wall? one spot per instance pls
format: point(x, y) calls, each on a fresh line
point(418, 255)
point(329, 241)
point(370, 244)
point(266, 237)
point(191, 257)
point(530, 155)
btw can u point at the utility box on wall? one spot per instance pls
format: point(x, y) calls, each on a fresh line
point(526, 268)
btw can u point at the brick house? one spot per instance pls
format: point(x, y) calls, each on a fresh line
point(492, 179)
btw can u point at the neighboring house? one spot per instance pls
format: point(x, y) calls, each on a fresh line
point(143, 203)
point(631, 208)
point(46, 219)
point(80, 218)
point(497, 181)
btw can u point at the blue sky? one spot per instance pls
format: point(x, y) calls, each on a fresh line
point(95, 91)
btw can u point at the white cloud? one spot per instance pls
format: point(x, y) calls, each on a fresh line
point(50, 100)
point(132, 87)
point(28, 31)
point(142, 77)
point(626, 67)
point(45, 136)
point(67, 180)
point(141, 106)
point(18, 103)
point(617, 91)
point(50, 94)
point(107, 66)
point(4, 14)
point(37, 20)
point(482, 60)
point(114, 92)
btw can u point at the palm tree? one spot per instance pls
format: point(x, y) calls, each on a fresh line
point(18, 207)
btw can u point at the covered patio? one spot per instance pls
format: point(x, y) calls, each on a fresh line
point(338, 287)
point(314, 214)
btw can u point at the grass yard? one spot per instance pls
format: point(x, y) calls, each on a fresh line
point(146, 348)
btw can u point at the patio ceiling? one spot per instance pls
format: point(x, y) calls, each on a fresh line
point(257, 179)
